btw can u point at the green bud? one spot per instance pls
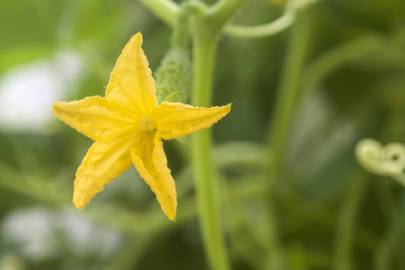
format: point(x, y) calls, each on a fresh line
point(174, 76)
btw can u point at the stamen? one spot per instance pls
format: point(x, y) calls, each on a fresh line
point(147, 124)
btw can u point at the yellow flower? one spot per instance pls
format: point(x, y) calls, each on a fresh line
point(128, 126)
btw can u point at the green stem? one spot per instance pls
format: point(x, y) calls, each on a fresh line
point(347, 221)
point(337, 57)
point(263, 30)
point(222, 11)
point(204, 53)
point(359, 48)
point(281, 122)
point(164, 9)
point(206, 24)
point(271, 28)
point(388, 247)
point(180, 37)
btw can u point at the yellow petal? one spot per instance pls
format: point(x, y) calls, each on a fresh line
point(151, 163)
point(94, 117)
point(175, 120)
point(131, 80)
point(103, 162)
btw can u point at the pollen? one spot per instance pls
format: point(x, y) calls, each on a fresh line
point(147, 124)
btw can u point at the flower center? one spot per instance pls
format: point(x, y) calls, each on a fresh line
point(147, 124)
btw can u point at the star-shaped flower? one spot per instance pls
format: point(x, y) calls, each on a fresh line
point(127, 127)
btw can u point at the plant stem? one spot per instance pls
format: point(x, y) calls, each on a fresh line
point(281, 122)
point(347, 221)
point(336, 57)
point(388, 246)
point(222, 11)
point(164, 9)
point(206, 185)
point(206, 24)
point(271, 28)
point(263, 30)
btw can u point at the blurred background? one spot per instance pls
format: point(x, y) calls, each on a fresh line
point(331, 214)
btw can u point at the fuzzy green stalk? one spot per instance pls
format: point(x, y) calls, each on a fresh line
point(281, 122)
point(204, 53)
point(206, 25)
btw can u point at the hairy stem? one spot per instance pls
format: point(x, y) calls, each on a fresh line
point(204, 53)
point(206, 24)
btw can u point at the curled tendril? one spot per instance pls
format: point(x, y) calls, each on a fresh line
point(382, 160)
point(271, 28)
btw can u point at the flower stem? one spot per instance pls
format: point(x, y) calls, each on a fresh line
point(206, 25)
point(204, 53)
point(286, 103)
